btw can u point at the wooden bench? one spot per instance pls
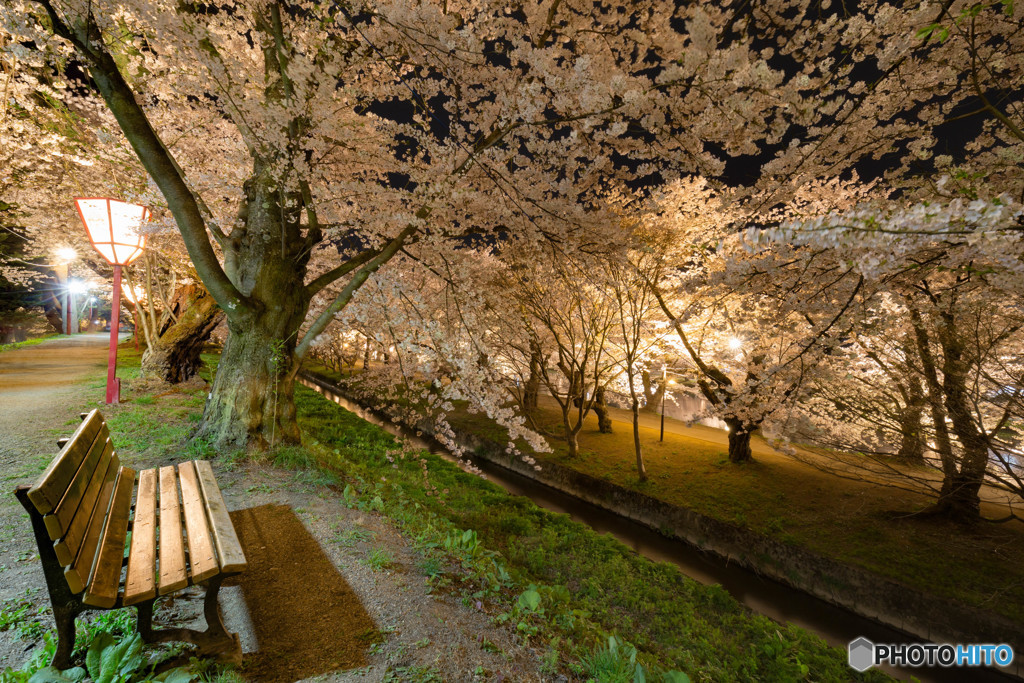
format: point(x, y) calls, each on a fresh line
point(82, 510)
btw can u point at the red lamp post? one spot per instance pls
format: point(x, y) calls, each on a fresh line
point(113, 228)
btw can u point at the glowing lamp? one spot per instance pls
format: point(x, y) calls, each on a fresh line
point(113, 228)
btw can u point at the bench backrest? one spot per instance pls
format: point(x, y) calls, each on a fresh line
point(74, 495)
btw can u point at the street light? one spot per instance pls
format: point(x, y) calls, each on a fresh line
point(65, 255)
point(664, 390)
point(113, 228)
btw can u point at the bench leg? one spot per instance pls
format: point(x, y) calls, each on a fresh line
point(66, 605)
point(64, 616)
point(216, 640)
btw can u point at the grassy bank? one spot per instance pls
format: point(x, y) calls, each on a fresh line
point(857, 522)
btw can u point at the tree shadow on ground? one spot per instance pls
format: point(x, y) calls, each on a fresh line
point(307, 619)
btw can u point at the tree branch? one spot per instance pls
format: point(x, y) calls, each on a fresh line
point(324, 319)
point(155, 158)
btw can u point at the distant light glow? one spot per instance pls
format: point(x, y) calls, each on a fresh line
point(66, 254)
point(77, 287)
point(735, 343)
point(134, 294)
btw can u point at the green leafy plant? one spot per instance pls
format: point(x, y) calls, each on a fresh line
point(616, 662)
point(13, 616)
point(109, 660)
point(349, 496)
point(379, 560)
point(484, 566)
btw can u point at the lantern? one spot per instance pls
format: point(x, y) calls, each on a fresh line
point(113, 228)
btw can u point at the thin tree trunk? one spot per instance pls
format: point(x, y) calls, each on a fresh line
point(641, 471)
point(943, 445)
point(531, 390)
point(572, 442)
point(133, 307)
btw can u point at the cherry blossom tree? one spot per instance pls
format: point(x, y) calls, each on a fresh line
point(954, 276)
point(640, 325)
point(522, 106)
point(301, 144)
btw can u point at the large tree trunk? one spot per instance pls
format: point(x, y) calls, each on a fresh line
point(652, 397)
point(604, 420)
point(960, 500)
point(911, 441)
point(251, 404)
point(174, 356)
point(52, 311)
point(911, 434)
point(739, 440)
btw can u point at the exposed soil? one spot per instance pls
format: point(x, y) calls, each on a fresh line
point(331, 593)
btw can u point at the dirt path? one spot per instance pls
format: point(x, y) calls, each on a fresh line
point(333, 594)
point(35, 385)
point(42, 390)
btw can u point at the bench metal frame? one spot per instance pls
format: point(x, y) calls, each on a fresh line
point(216, 640)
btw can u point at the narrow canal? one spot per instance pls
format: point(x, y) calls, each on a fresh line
point(782, 603)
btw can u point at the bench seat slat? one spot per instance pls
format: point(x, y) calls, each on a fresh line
point(229, 550)
point(140, 582)
point(201, 555)
point(77, 574)
point(48, 490)
point(67, 547)
point(171, 545)
point(58, 523)
point(106, 575)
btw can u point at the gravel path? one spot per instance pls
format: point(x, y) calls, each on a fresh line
point(43, 388)
point(417, 633)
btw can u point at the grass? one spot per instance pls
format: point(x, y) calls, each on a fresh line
point(379, 560)
point(27, 342)
point(860, 523)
